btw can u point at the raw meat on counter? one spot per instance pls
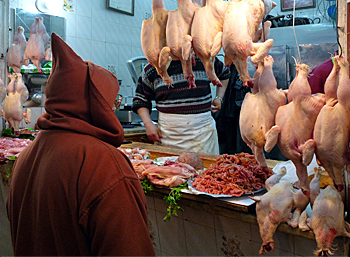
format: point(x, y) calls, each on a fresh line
point(140, 166)
point(153, 39)
point(15, 54)
point(232, 175)
point(17, 94)
point(206, 35)
point(169, 175)
point(332, 127)
point(178, 37)
point(38, 43)
point(191, 159)
point(135, 153)
point(12, 146)
point(257, 116)
point(282, 203)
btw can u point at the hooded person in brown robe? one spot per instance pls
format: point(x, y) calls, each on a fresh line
point(72, 191)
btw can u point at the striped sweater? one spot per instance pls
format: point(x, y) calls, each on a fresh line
point(177, 98)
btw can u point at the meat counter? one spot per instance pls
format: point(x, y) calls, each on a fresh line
point(217, 226)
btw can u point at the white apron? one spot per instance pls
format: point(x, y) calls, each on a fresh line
point(189, 132)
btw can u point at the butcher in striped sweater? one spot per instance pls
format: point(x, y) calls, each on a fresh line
point(185, 120)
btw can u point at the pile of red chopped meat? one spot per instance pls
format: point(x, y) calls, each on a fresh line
point(232, 175)
point(12, 146)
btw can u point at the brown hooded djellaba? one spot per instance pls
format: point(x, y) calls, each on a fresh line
point(72, 191)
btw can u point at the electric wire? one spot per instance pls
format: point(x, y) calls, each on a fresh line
point(296, 40)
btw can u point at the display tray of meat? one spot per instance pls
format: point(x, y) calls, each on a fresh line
point(231, 175)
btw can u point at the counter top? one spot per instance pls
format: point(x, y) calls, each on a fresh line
point(134, 130)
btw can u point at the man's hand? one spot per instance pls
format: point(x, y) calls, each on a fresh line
point(153, 133)
point(216, 105)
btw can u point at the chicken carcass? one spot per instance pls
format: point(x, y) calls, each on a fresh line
point(15, 55)
point(332, 127)
point(257, 116)
point(206, 34)
point(153, 40)
point(327, 220)
point(17, 94)
point(276, 207)
point(179, 41)
point(296, 121)
point(2, 95)
point(263, 32)
point(37, 43)
point(241, 21)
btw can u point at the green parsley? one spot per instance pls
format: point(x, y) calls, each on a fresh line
point(172, 199)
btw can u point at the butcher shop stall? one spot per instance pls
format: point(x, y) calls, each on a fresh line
point(279, 184)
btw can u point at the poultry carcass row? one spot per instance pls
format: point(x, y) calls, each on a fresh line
point(332, 127)
point(296, 121)
point(17, 94)
point(15, 54)
point(153, 39)
point(263, 32)
point(241, 21)
point(257, 116)
point(179, 41)
point(282, 203)
point(206, 35)
point(38, 43)
point(327, 220)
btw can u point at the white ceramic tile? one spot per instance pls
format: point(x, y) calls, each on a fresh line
point(98, 53)
point(83, 48)
point(147, 6)
point(127, 20)
point(137, 51)
point(35, 113)
point(136, 35)
point(127, 91)
point(171, 235)
point(123, 74)
point(150, 202)
point(153, 228)
point(199, 216)
point(99, 9)
point(125, 54)
point(70, 26)
point(304, 246)
point(5, 233)
point(232, 226)
point(71, 42)
point(200, 240)
point(126, 35)
point(282, 240)
point(83, 27)
point(83, 7)
point(229, 245)
point(138, 18)
point(98, 30)
point(113, 34)
point(112, 53)
point(113, 16)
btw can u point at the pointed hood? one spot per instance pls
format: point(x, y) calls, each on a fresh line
point(80, 96)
